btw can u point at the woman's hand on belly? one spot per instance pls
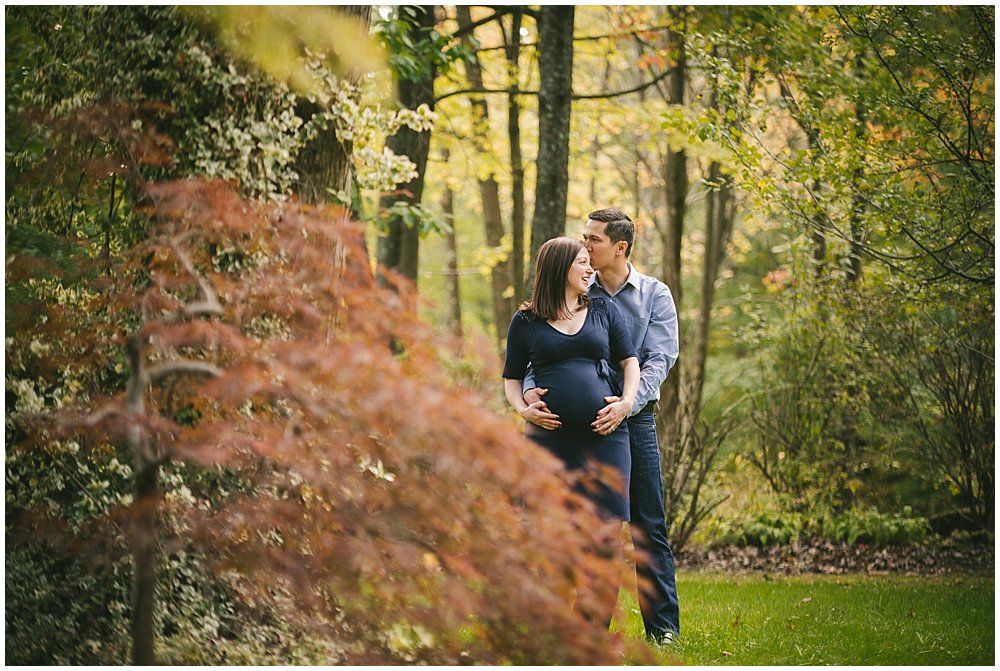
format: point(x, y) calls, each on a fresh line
point(610, 416)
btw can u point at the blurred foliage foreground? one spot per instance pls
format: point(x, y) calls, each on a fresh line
point(236, 416)
point(220, 388)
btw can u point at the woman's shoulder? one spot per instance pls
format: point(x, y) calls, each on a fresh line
point(605, 308)
point(599, 304)
point(524, 315)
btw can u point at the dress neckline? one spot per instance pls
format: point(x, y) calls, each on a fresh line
point(577, 332)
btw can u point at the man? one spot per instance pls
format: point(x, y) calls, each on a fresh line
point(648, 308)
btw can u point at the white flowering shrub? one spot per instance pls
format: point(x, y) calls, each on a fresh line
point(261, 153)
point(360, 116)
point(227, 120)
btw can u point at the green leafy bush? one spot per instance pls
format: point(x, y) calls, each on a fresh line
point(875, 528)
point(57, 611)
point(761, 530)
point(871, 527)
point(62, 609)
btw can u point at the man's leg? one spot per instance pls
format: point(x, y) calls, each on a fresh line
point(658, 601)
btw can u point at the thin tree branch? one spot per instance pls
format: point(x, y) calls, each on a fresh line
point(160, 372)
point(580, 96)
point(196, 309)
point(636, 89)
point(497, 13)
point(207, 292)
point(935, 124)
point(510, 91)
point(593, 38)
point(100, 415)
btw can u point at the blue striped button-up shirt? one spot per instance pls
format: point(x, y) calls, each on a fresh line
point(648, 307)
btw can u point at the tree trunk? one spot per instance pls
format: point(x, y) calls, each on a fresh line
point(555, 65)
point(144, 512)
point(144, 551)
point(718, 229)
point(489, 192)
point(676, 184)
point(325, 165)
point(640, 252)
point(513, 48)
point(451, 271)
point(399, 248)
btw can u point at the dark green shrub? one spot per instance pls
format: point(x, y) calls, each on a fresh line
point(59, 611)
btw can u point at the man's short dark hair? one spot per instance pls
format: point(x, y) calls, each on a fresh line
point(617, 226)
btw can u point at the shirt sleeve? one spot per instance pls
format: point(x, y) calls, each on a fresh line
point(529, 380)
point(621, 341)
point(516, 360)
point(659, 346)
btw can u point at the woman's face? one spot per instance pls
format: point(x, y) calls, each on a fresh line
point(578, 278)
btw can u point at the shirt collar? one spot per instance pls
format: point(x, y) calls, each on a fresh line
point(633, 279)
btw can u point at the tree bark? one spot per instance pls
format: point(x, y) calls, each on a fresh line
point(555, 65)
point(718, 229)
point(512, 49)
point(451, 281)
point(489, 191)
point(640, 252)
point(144, 558)
point(399, 248)
point(325, 165)
point(676, 185)
point(144, 511)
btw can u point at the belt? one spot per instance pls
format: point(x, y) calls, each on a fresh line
point(650, 407)
point(604, 370)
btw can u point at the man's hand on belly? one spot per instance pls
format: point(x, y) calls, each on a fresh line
point(539, 411)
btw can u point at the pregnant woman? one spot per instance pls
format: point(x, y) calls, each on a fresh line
point(570, 341)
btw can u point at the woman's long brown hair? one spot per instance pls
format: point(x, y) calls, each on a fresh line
point(548, 295)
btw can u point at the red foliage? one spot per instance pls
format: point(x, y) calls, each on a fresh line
point(127, 134)
point(385, 492)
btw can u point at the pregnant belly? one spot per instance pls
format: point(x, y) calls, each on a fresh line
point(576, 392)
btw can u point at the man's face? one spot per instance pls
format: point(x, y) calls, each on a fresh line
point(602, 250)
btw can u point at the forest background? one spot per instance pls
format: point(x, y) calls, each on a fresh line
point(209, 369)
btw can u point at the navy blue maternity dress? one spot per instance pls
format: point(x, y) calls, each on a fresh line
point(576, 369)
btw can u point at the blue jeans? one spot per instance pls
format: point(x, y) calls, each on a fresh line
point(658, 601)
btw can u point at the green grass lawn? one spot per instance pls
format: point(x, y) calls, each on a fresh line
point(821, 620)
